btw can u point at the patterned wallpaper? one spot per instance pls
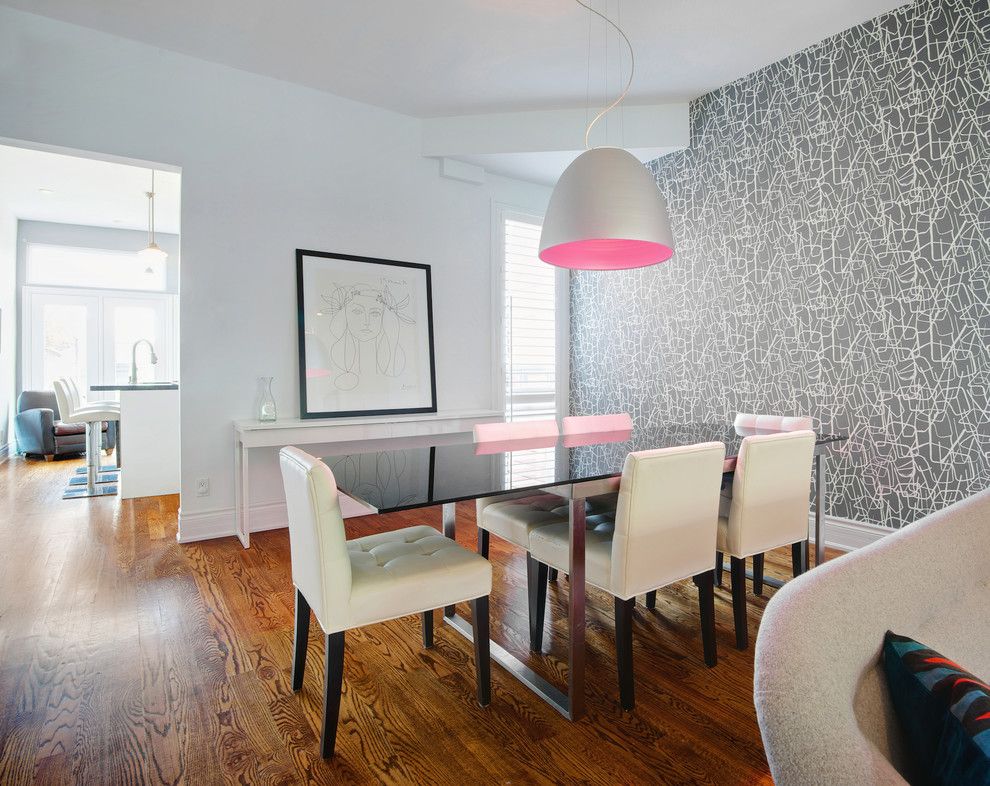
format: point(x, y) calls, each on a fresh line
point(832, 222)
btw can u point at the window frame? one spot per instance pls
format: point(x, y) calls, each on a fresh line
point(31, 245)
point(500, 214)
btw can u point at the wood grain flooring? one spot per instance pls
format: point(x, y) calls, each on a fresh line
point(127, 658)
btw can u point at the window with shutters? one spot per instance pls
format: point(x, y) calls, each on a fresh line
point(532, 336)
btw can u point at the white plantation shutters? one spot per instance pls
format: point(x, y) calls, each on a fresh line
point(530, 340)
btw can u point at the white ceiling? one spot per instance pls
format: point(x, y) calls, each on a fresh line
point(85, 191)
point(452, 57)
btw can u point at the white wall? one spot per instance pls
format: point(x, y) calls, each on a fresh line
point(8, 334)
point(266, 167)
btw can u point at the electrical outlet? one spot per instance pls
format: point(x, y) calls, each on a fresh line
point(203, 487)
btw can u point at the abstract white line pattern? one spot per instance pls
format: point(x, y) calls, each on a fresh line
point(832, 222)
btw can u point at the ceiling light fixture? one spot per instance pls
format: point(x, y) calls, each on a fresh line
point(46, 191)
point(153, 252)
point(606, 212)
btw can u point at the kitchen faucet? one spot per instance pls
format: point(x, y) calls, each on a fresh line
point(154, 359)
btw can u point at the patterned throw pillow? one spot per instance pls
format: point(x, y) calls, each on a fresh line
point(944, 711)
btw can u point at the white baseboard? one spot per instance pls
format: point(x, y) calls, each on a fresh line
point(264, 516)
point(842, 534)
point(210, 524)
point(848, 535)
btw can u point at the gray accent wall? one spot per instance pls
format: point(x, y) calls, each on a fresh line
point(832, 228)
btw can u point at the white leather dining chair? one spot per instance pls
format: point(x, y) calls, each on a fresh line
point(663, 530)
point(769, 508)
point(512, 516)
point(514, 429)
point(350, 583)
point(746, 424)
point(94, 418)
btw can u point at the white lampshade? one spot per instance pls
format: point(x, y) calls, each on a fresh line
point(153, 253)
point(606, 213)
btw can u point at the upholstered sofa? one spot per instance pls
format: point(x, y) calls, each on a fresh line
point(40, 432)
point(821, 697)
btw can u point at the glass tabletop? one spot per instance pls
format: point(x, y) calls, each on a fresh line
point(402, 473)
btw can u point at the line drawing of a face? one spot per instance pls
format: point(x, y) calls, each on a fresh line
point(364, 317)
point(361, 314)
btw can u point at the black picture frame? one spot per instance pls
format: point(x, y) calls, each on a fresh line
point(302, 255)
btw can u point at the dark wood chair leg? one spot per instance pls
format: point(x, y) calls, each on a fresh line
point(719, 568)
point(536, 588)
point(482, 649)
point(427, 629)
point(623, 651)
point(483, 542)
point(757, 574)
point(552, 574)
point(331, 693)
point(738, 571)
point(651, 599)
point(706, 604)
point(797, 558)
point(300, 642)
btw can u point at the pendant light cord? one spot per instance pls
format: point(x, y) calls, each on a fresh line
point(632, 70)
point(151, 211)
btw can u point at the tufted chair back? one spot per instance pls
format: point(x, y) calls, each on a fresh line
point(587, 424)
point(770, 492)
point(321, 568)
point(746, 420)
point(515, 429)
point(666, 518)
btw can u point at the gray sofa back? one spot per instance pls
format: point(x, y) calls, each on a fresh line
point(820, 692)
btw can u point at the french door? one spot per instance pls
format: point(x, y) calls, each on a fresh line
point(89, 335)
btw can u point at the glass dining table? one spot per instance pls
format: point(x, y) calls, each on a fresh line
point(404, 473)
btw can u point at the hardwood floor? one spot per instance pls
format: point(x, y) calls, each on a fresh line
point(128, 658)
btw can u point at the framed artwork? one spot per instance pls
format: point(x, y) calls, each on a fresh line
point(365, 336)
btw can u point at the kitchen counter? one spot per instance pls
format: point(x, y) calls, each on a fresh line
point(148, 438)
point(141, 386)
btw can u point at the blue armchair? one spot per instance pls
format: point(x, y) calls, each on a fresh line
point(40, 432)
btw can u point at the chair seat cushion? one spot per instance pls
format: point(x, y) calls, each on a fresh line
point(551, 545)
point(412, 570)
point(68, 429)
point(514, 519)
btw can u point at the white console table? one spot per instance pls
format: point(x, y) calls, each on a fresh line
point(255, 434)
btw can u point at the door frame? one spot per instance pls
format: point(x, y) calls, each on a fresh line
point(101, 353)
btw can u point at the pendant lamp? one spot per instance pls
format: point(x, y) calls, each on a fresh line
point(153, 252)
point(606, 212)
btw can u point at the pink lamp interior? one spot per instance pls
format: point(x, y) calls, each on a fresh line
point(606, 254)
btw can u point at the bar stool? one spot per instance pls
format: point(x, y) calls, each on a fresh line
point(93, 417)
point(769, 508)
point(664, 531)
point(80, 401)
point(348, 584)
